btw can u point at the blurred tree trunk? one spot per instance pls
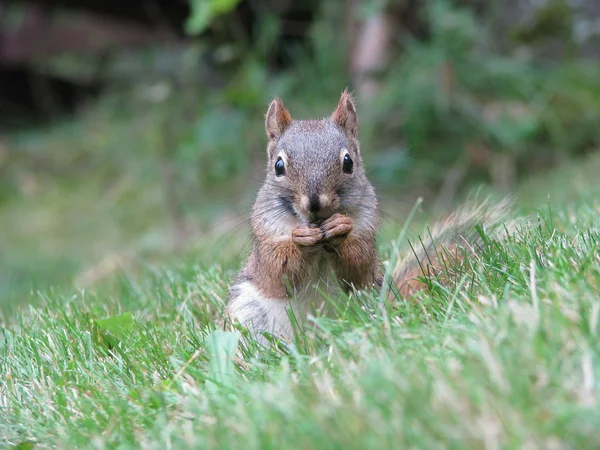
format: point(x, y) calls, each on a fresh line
point(369, 47)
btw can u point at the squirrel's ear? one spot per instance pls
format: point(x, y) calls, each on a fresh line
point(278, 119)
point(345, 114)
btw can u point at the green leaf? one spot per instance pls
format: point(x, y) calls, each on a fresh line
point(203, 12)
point(112, 330)
point(221, 347)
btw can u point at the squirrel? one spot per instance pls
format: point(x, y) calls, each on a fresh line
point(314, 225)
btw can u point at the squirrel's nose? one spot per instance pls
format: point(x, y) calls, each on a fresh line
point(314, 204)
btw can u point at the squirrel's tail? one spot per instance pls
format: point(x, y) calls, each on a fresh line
point(449, 241)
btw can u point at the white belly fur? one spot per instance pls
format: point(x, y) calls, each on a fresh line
point(270, 314)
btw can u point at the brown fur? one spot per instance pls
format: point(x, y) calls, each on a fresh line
point(345, 114)
point(409, 282)
point(275, 263)
point(277, 119)
point(354, 265)
point(446, 244)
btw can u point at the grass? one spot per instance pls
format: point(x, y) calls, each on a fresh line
point(67, 203)
point(507, 357)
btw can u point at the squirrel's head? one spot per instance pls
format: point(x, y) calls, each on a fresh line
point(315, 166)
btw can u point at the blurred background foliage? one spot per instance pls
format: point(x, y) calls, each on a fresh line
point(132, 129)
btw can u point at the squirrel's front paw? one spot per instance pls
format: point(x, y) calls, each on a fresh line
point(304, 236)
point(336, 228)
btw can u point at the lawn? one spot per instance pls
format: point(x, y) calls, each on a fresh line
point(506, 357)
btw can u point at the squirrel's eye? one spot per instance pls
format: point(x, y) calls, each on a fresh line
point(347, 165)
point(279, 167)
